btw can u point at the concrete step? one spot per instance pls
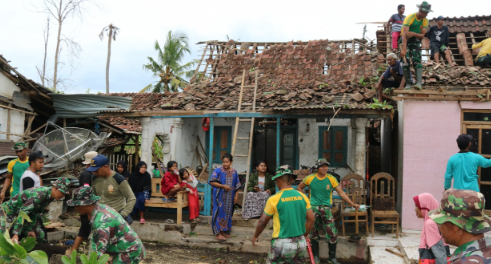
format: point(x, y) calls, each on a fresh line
point(238, 221)
point(378, 255)
point(234, 244)
point(242, 232)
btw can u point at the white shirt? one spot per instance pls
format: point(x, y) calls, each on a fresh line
point(194, 182)
point(29, 174)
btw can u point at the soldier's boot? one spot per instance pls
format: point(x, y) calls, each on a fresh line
point(407, 77)
point(419, 78)
point(332, 253)
point(315, 251)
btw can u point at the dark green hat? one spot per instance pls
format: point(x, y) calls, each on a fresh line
point(425, 7)
point(62, 184)
point(20, 146)
point(463, 208)
point(321, 162)
point(83, 196)
point(284, 170)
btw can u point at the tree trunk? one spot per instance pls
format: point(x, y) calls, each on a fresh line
point(108, 57)
point(57, 51)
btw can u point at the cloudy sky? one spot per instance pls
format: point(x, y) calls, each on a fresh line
point(144, 21)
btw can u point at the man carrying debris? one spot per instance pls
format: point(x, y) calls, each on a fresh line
point(484, 57)
point(392, 77)
point(413, 31)
point(321, 186)
point(15, 169)
point(85, 179)
point(439, 37)
point(462, 167)
point(292, 221)
point(112, 187)
point(111, 234)
point(32, 203)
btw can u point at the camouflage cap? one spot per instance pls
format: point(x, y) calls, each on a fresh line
point(284, 170)
point(20, 146)
point(321, 162)
point(83, 196)
point(62, 184)
point(463, 208)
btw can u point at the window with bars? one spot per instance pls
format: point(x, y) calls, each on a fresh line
point(333, 144)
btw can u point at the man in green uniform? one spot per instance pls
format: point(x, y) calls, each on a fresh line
point(32, 203)
point(321, 186)
point(462, 221)
point(112, 187)
point(413, 31)
point(111, 234)
point(292, 221)
point(15, 169)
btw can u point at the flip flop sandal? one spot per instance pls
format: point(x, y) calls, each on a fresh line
point(142, 221)
point(354, 238)
point(167, 200)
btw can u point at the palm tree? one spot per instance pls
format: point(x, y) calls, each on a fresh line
point(111, 31)
point(168, 67)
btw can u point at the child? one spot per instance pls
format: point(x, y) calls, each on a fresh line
point(30, 178)
point(432, 249)
point(193, 197)
point(171, 182)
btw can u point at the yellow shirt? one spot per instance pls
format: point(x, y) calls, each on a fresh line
point(485, 46)
point(414, 24)
point(16, 168)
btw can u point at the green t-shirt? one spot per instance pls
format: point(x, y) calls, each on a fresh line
point(320, 189)
point(17, 168)
point(289, 211)
point(414, 24)
point(115, 192)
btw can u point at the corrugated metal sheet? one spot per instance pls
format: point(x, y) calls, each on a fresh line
point(87, 105)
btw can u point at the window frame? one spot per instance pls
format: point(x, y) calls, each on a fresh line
point(332, 151)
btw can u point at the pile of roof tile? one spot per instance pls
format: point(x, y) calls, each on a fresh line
point(289, 75)
point(129, 125)
point(459, 75)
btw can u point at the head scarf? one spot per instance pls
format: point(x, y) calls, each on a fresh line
point(140, 182)
point(430, 234)
point(125, 172)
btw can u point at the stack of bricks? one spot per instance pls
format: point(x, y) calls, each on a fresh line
point(464, 49)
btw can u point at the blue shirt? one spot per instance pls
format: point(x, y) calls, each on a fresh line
point(397, 68)
point(462, 167)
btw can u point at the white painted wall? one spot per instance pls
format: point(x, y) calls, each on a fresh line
point(7, 88)
point(185, 132)
point(308, 142)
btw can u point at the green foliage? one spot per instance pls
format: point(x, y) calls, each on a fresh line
point(362, 82)
point(157, 146)
point(252, 69)
point(387, 91)
point(323, 85)
point(480, 96)
point(168, 67)
point(83, 258)
point(486, 119)
point(379, 105)
point(11, 252)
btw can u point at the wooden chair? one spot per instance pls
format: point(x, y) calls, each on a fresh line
point(156, 199)
point(383, 202)
point(356, 192)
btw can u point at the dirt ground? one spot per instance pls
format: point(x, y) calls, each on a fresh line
point(171, 254)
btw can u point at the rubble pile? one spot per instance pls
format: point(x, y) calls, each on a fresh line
point(290, 75)
point(457, 75)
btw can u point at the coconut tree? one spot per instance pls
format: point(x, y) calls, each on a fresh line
point(168, 66)
point(111, 31)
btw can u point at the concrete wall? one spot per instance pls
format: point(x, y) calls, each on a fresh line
point(428, 132)
point(186, 130)
point(7, 88)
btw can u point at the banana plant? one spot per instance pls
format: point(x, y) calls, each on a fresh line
point(83, 258)
point(21, 253)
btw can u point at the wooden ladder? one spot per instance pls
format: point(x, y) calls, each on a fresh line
point(238, 121)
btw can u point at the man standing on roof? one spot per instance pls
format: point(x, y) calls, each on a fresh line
point(32, 203)
point(413, 31)
point(111, 234)
point(484, 57)
point(293, 219)
point(396, 20)
point(462, 167)
point(321, 186)
point(15, 169)
point(439, 37)
point(112, 187)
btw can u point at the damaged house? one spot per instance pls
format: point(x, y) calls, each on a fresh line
point(300, 100)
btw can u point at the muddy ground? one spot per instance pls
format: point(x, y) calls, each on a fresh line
point(163, 253)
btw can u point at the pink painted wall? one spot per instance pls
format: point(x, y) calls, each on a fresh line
point(429, 134)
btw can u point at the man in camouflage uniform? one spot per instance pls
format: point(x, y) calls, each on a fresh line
point(111, 234)
point(31, 202)
point(462, 222)
point(292, 219)
point(321, 186)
